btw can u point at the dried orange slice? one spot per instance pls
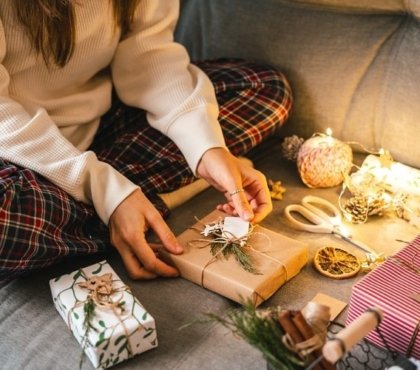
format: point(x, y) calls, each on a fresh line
point(336, 263)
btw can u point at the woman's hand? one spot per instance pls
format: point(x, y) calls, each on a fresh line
point(128, 225)
point(245, 188)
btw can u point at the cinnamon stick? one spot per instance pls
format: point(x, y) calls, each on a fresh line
point(289, 327)
point(285, 320)
point(304, 328)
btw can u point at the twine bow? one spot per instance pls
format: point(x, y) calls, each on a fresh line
point(305, 348)
point(225, 243)
point(306, 332)
point(317, 317)
point(100, 290)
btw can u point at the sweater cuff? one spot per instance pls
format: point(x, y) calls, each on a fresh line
point(194, 133)
point(108, 188)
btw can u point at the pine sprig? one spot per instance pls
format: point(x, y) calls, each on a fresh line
point(263, 332)
point(238, 251)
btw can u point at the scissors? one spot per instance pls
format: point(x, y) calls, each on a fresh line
point(324, 218)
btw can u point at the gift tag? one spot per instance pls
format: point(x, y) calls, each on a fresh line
point(335, 305)
point(235, 226)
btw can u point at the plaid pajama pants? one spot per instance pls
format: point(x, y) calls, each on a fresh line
point(41, 225)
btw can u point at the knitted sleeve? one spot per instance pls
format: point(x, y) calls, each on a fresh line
point(29, 138)
point(153, 72)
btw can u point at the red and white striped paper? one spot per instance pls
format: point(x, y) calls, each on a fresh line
point(393, 287)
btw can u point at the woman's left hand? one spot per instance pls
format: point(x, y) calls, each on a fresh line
point(245, 188)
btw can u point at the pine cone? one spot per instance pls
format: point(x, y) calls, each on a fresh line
point(290, 147)
point(359, 207)
point(356, 209)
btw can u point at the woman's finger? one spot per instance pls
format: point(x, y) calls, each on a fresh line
point(132, 265)
point(163, 232)
point(148, 258)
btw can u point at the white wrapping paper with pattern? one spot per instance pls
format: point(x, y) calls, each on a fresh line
point(394, 287)
point(117, 332)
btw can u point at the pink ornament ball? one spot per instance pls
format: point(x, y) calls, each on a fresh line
point(323, 161)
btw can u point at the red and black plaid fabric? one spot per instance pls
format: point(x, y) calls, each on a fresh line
point(41, 225)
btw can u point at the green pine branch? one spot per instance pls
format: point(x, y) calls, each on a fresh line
point(262, 331)
point(239, 252)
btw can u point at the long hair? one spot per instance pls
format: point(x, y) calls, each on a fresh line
point(50, 25)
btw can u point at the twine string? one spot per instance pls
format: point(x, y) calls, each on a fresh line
point(413, 339)
point(366, 150)
point(226, 238)
point(101, 291)
point(305, 348)
point(317, 316)
point(215, 256)
point(409, 266)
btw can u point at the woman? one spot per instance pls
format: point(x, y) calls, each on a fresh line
point(100, 111)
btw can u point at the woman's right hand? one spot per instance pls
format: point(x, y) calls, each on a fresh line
point(128, 225)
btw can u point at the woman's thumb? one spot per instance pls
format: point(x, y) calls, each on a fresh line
point(241, 204)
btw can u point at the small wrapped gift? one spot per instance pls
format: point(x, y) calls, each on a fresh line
point(394, 286)
point(105, 317)
point(273, 259)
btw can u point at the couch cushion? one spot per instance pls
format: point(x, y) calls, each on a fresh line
point(350, 70)
point(364, 6)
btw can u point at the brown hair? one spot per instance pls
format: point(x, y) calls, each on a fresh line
point(50, 25)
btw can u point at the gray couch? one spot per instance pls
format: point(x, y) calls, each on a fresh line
point(353, 66)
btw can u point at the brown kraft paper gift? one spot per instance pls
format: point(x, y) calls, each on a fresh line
point(277, 258)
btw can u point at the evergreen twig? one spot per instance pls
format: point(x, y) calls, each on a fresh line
point(239, 252)
point(263, 332)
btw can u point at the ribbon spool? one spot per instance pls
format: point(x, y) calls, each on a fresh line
point(323, 161)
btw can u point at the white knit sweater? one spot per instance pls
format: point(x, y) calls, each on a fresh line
point(48, 118)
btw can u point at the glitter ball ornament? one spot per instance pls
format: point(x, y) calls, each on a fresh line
point(323, 161)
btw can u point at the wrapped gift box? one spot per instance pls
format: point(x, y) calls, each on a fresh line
point(276, 257)
point(395, 288)
point(119, 326)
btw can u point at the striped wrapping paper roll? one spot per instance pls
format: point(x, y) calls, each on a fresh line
point(395, 288)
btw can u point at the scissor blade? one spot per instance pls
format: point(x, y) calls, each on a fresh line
point(358, 244)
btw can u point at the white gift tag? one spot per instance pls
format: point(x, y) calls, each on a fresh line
point(235, 226)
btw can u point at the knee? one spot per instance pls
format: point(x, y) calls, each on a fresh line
point(22, 221)
point(13, 243)
point(253, 84)
point(273, 88)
